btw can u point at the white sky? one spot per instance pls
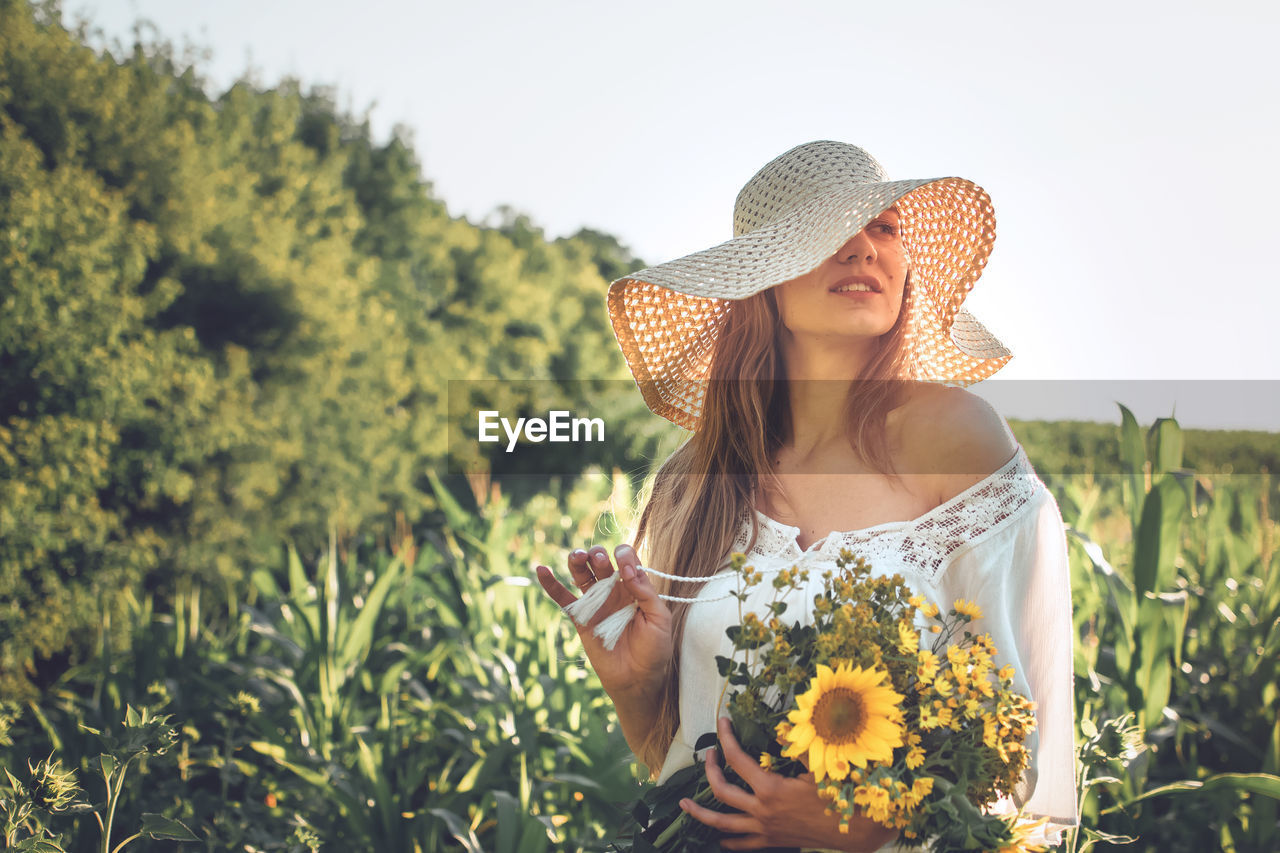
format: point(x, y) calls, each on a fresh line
point(1129, 147)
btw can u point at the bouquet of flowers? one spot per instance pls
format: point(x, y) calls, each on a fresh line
point(917, 730)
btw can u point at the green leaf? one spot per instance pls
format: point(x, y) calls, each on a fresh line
point(1168, 445)
point(508, 815)
point(1156, 540)
point(582, 782)
point(537, 831)
point(359, 636)
point(158, 826)
point(1253, 783)
point(37, 845)
point(456, 516)
point(458, 829)
point(1133, 457)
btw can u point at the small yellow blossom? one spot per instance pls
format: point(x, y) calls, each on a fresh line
point(908, 639)
point(969, 609)
point(926, 666)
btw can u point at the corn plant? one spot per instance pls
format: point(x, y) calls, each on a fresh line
point(1182, 631)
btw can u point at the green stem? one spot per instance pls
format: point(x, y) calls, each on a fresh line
point(672, 830)
point(126, 841)
point(113, 797)
point(702, 797)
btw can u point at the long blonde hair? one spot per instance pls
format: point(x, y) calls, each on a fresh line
point(703, 490)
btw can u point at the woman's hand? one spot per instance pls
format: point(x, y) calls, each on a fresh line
point(783, 811)
point(638, 665)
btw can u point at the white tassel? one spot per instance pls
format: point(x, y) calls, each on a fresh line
point(582, 610)
point(612, 627)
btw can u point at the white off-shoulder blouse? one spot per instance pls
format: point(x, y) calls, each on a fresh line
point(999, 543)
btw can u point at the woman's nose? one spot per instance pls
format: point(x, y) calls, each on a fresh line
point(858, 246)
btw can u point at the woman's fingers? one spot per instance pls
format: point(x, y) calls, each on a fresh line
point(726, 791)
point(598, 557)
point(580, 569)
point(736, 823)
point(637, 582)
point(556, 590)
point(751, 772)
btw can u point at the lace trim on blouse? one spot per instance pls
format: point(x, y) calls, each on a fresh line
point(924, 544)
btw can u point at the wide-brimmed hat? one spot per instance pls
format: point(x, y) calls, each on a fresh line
point(793, 215)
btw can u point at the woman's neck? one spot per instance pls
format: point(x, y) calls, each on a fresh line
point(818, 380)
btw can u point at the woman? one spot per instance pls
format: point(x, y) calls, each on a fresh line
point(824, 327)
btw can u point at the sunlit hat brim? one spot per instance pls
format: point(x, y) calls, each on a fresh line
point(667, 317)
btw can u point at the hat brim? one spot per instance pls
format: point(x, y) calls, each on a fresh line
point(667, 317)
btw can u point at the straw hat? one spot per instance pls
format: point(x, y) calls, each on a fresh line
point(793, 215)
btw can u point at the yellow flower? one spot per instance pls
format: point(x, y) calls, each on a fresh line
point(927, 666)
point(989, 731)
point(874, 801)
point(915, 757)
point(908, 639)
point(1021, 841)
point(849, 716)
point(968, 608)
point(766, 761)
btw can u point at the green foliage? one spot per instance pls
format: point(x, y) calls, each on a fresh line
point(419, 700)
point(1180, 627)
point(231, 321)
point(51, 790)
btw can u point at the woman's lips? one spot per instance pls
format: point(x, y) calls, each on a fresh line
point(866, 280)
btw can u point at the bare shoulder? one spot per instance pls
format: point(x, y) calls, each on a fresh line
point(955, 436)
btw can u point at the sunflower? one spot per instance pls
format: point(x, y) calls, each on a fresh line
point(849, 716)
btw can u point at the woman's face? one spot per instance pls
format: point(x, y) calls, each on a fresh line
point(857, 292)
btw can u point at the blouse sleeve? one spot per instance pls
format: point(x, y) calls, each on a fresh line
point(1018, 574)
